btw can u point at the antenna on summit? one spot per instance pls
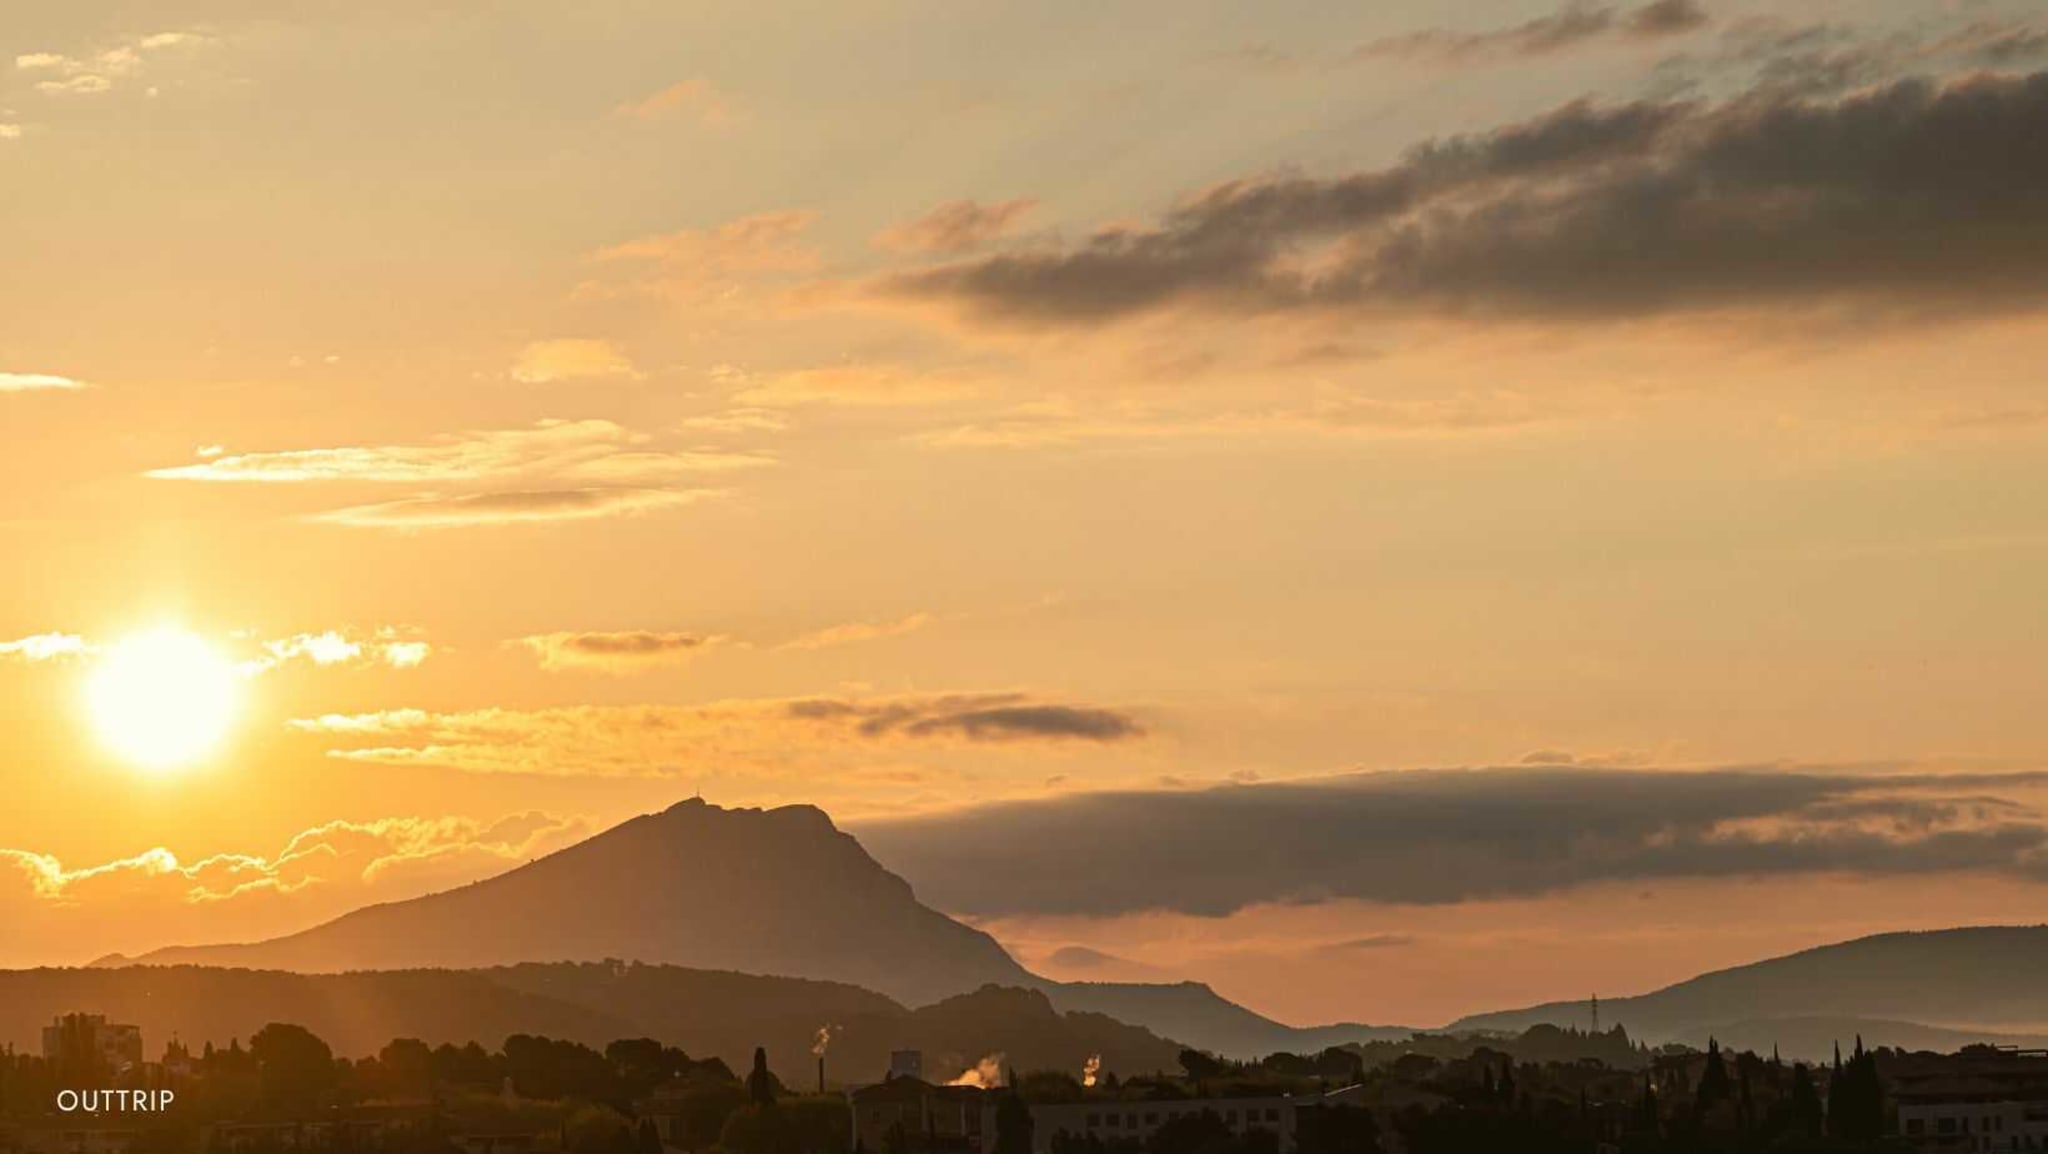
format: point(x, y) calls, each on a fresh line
point(1596, 1013)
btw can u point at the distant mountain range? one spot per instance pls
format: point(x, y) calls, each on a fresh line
point(1199, 1016)
point(784, 895)
point(1932, 989)
point(779, 892)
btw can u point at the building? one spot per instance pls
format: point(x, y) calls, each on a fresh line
point(1981, 1101)
point(960, 1119)
point(906, 1064)
point(352, 1128)
point(75, 1044)
point(1111, 1120)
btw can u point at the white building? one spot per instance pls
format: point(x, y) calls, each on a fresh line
point(1989, 1103)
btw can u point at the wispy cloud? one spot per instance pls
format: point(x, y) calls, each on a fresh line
point(1571, 27)
point(1367, 944)
point(386, 646)
point(855, 385)
point(955, 227)
point(629, 651)
point(534, 506)
point(855, 632)
point(34, 382)
point(145, 898)
point(572, 359)
point(1791, 58)
point(101, 70)
point(695, 99)
point(572, 470)
point(707, 268)
point(45, 647)
point(1052, 423)
point(545, 447)
point(738, 420)
point(773, 735)
point(994, 718)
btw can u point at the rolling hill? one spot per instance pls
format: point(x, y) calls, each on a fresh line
point(1940, 986)
point(727, 1014)
point(707, 1013)
point(355, 1013)
point(1199, 1016)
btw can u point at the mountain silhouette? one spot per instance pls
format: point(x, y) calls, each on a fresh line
point(780, 892)
point(1206, 1020)
point(354, 1013)
point(774, 892)
point(708, 1013)
point(1980, 981)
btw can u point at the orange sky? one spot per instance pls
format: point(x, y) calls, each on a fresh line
point(906, 409)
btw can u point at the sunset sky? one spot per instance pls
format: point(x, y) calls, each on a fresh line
point(1395, 510)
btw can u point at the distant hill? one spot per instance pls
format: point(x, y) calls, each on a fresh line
point(776, 892)
point(1204, 1019)
point(1540, 1044)
point(1979, 983)
point(1815, 1037)
point(708, 1014)
point(727, 1015)
point(355, 1013)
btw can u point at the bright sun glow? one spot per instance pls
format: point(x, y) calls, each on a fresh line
point(164, 698)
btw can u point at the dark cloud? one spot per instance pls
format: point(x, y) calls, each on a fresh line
point(1568, 28)
point(632, 644)
point(1784, 58)
point(1030, 720)
point(1917, 196)
point(1666, 18)
point(984, 717)
point(1441, 836)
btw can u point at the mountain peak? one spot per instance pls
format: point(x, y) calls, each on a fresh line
point(764, 891)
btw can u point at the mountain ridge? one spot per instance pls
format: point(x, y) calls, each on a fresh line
point(784, 893)
point(810, 903)
point(693, 885)
point(1979, 980)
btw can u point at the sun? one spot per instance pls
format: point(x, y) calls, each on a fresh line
point(164, 698)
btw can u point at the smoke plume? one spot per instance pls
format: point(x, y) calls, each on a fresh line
point(987, 1073)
